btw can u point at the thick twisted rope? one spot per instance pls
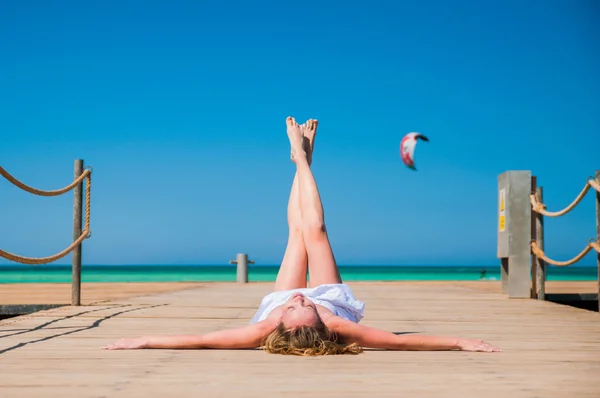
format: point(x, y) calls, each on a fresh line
point(84, 234)
point(40, 192)
point(44, 260)
point(541, 255)
point(541, 208)
point(88, 202)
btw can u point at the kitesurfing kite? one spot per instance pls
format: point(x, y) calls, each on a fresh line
point(407, 148)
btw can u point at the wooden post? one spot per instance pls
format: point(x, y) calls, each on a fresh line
point(534, 258)
point(598, 234)
point(504, 274)
point(540, 265)
point(242, 267)
point(514, 232)
point(77, 226)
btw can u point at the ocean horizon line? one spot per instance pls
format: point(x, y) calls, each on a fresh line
point(269, 265)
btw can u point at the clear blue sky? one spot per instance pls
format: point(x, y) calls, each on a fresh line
point(180, 109)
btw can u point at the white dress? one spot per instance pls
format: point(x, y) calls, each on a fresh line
point(337, 297)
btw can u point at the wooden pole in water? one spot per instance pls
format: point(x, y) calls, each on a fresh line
point(598, 234)
point(540, 266)
point(77, 226)
point(242, 267)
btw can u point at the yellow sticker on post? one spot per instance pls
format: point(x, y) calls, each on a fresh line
point(502, 216)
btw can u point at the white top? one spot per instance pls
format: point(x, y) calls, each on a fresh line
point(337, 297)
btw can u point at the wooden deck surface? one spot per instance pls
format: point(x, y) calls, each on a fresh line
point(550, 350)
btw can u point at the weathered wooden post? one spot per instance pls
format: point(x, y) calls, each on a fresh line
point(598, 234)
point(533, 238)
point(514, 232)
point(540, 265)
point(77, 225)
point(242, 267)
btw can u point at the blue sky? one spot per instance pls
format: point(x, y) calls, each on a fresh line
point(180, 109)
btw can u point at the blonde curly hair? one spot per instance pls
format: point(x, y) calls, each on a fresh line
point(307, 341)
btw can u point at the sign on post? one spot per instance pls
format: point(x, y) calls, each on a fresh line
point(502, 212)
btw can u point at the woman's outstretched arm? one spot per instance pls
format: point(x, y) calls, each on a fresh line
point(249, 336)
point(369, 337)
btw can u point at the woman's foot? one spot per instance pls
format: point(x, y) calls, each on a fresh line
point(296, 137)
point(309, 131)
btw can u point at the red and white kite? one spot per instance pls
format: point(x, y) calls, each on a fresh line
point(407, 148)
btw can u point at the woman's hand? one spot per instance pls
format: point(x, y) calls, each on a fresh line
point(126, 344)
point(476, 345)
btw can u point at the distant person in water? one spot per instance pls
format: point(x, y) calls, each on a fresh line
point(296, 319)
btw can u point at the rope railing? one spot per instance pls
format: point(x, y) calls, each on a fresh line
point(521, 249)
point(87, 174)
point(539, 208)
point(539, 258)
point(540, 254)
point(80, 233)
point(40, 192)
point(86, 233)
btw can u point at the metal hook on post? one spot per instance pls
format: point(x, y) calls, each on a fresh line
point(242, 267)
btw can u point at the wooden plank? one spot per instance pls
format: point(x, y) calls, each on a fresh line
point(549, 350)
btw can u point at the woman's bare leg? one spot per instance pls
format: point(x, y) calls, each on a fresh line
point(292, 271)
point(321, 262)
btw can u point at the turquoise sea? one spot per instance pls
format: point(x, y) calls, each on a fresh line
point(263, 273)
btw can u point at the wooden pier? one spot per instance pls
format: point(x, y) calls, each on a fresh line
point(550, 350)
